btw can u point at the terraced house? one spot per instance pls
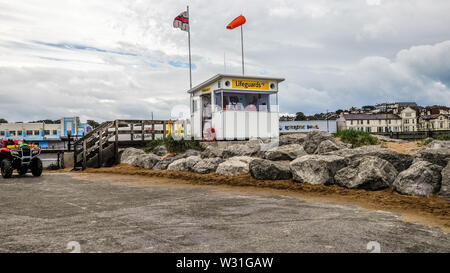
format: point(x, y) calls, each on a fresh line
point(371, 123)
point(436, 122)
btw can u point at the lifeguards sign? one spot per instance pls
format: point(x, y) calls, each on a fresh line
point(248, 84)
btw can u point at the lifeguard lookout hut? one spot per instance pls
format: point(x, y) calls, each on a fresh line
point(233, 107)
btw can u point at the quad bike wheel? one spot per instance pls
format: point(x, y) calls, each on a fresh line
point(36, 167)
point(22, 170)
point(7, 168)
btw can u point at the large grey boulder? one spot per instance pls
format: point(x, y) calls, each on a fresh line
point(164, 163)
point(131, 155)
point(317, 169)
point(146, 161)
point(240, 150)
point(238, 165)
point(401, 162)
point(212, 151)
point(439, 144)
point(286, 152)
point(368, 172)
point(327, 146)
point(423, 178)
point(263, 169)
point(207, 165)
point(292, 139)
point(184, 164)
point(439, 155)
point(191, 152)
point(160, 150)
point(445, 184)
point(313, 140)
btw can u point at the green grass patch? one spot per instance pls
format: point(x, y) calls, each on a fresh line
point(357, 138)
point(424, 142)
point(174, 145)
point(444, 137)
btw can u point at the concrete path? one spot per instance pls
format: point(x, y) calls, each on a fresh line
point(45, 214)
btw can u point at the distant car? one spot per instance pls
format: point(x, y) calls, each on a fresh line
point(15, 155)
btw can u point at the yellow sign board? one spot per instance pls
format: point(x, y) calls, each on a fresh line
point(248, 84)
point(206, 90)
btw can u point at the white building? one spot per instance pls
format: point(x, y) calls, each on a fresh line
point(234, 107)
point(371, 123)
point(437, 122)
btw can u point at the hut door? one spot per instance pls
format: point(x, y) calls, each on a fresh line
point(196, 121)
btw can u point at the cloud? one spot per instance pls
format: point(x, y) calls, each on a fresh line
point(110, 59)
point(416, 74)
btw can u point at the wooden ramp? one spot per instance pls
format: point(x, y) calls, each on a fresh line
point(100, 147)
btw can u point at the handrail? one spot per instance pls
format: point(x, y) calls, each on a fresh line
point(103, 125)
point(94, 142)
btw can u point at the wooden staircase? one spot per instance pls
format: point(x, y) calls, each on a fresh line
point(89, 149)
point(100, 147)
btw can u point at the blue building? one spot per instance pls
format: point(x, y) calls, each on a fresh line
point(45, 135)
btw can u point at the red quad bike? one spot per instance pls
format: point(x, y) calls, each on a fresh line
point(20, 157)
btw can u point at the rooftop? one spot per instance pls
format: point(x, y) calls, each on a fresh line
point(434, 116)
point(370, 116)
point(220, 76)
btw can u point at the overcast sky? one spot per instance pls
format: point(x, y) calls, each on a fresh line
point(112, 59)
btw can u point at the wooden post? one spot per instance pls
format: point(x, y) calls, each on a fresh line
point(164, 129)
point(59, 163)
point(100, 148)
point(84, 154)
point(153, 130)
point(142, 131)
point(132, 132)
point(116, 142)
point(75, 154)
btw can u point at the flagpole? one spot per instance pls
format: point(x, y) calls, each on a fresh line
point(242, 46)
point(190, 73)
point(189, 43)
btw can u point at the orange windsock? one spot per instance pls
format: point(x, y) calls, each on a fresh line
point(240, 20)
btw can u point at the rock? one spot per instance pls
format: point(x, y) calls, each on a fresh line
point(207, 165)
point(423, 178)
point(286, 152)
point(292, 139)
point(160, 150)
point(212, 151)
point(313, 140)
point(439, 155)
point(164, 163)
point(327, 146)
point(439, 144)
point(401, 162)
point(234, 166)
point(184, 164)
point(240, 150)
point(191, 152)
point(317, 169)
point(445, 184)
point(263, 169)
point(388, 139)
point(368, 172)
point(131, 155)
point(146, 161)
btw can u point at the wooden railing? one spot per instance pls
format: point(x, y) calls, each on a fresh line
point(89, 150)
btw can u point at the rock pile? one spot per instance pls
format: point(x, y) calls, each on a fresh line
point(315, 158)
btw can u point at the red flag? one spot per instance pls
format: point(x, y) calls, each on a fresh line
point(240, 20)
